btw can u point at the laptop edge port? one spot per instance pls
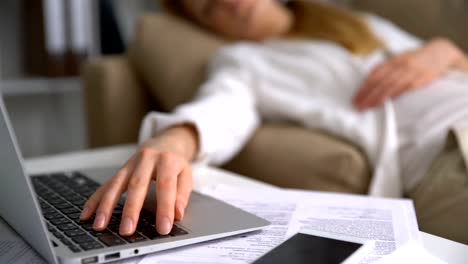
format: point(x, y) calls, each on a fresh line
point(112, 256)
point(89, 260)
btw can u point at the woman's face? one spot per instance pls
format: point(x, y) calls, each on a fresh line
point(240, 19)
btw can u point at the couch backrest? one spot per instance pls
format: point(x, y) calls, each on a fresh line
point(170, 56)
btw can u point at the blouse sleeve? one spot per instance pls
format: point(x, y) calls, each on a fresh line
point(395, 39)
point(223, 112)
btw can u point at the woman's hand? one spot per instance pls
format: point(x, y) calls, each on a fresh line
point(164, 159)
point(406, 72)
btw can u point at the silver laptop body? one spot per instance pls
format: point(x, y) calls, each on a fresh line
point(205, 219)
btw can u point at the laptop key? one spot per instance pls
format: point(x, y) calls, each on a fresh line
point(64, 191)
point(58, 235)
point(177, 231)
point(111, 240)
point(143, 221)
point(73, 195)
point(142, 227)
point(74, 216)
point(147, 216)
point(41, 178)
point(100, 233)
point(50, 196)
point(34, 179)
point(70, 210)
point(65, 227)
point(91, 246)
point(114, 228)
point(60, 176)
point(87, 193)
point(114, 221)
point(82, 222)
point(83, 239)
point(87, 226)
point(48, 210)
point(59, 221)
point(78, 201)
point(82, 189)
point(66, 241)
point(78, 179)
point(150, 233)
point(74, 232)
point(62, 205)
point(53, 215)
point(74, 248)
point(56, 201)
point(136, 237)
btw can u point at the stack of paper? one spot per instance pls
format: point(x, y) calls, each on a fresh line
point(410, 253)
point(389, 222)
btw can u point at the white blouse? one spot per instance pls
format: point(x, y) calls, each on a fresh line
point(313, 82)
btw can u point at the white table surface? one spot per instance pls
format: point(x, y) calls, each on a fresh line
point(451, 252)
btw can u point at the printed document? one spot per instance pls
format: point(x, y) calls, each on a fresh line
point(410, 253)
point(389, 222)
point(14, 250)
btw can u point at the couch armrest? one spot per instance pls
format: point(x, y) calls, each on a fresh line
point(115, 102)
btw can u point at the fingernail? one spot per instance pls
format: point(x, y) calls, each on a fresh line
point(164, 226)
point(126, 226)
point(100, 221)
point(84, 212)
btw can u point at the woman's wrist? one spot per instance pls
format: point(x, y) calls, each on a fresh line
point(180, 139)
point(461, 63)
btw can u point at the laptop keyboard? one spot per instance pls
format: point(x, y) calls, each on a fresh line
point(61, 198)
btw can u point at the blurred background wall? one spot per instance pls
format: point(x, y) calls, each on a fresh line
point(425, 18)
point(47, 111)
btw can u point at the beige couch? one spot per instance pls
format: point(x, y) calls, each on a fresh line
point(165, 66)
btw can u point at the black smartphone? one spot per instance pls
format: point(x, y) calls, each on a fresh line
point(305, 248)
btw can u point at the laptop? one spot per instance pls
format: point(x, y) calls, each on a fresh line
point(44, 210)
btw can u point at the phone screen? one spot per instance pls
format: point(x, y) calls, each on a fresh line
point(302, 248)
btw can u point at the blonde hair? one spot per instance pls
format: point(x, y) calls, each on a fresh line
point(323, 21)
point(318, 21)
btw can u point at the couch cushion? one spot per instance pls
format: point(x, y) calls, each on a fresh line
point(170, 56)
point(294, 157)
